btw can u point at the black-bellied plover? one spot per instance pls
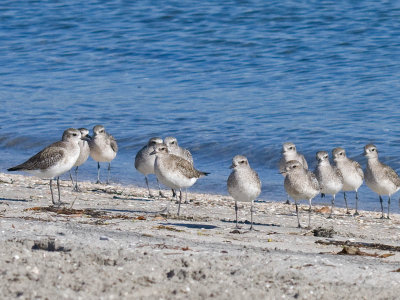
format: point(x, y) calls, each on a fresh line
point(300, 184)
point(288, 153)
point(144, 162)
point(379, 177)
point(103, 148)
point(243, 184)
point(329, 177)
point(174, 171)
point(353, 175)
point(174, 148)
point(83, 156)
point(54, 160)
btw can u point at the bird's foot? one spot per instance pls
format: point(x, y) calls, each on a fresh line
point(348, 212)
point(98, 182)
point(356, 214)
point(287, 201)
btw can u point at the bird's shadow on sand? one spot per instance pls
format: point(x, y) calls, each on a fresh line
point(249, 223)
point(133, 211)
point(140, 199)
point(191, 225)
point(14, 200)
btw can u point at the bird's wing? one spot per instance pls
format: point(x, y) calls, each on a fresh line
point(358, 169)
point(113, 143)
point(313, 180)
point(186, 168)
point(389, 172)
point(304, 162)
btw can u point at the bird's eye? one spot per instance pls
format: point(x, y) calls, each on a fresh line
point(372, 149)
point(294, 167)
point(340, 153)
point(74, 134)
point(290, 148)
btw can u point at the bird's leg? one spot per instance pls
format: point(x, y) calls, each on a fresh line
point(173, 193)
point(287, 199)
point(98, 173)
point(148, 188)
point(58, 188)
point(356, 213)
point(388, 208)
point(108, 173)
point(51, 190)
point(70, 176)
point(297, 213)
point(309, 213)
point(236, 211)
point(251, 215)
point(345, 201)
point(186, 199)
point(333, 204)
point(76, 189)
point(180, 200)
point(160, 194)
point(380, 199)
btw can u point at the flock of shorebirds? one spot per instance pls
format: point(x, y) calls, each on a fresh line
point(173, 167)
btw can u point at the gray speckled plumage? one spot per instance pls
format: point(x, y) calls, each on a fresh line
point(379, 177)
point(353, 175)
point(83, 155)
point(174, 171)
point(289, 153)
point(54, 160)
point(329, 177)
point(243, 183)
point(300, 184)
point(144, 162)
point(174, 148)
point(103, 148)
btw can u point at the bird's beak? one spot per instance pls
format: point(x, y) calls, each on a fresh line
point(154, 152)
point(283, 173)
point(232, 166)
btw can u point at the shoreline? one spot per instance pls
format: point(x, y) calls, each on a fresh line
point(114, 243)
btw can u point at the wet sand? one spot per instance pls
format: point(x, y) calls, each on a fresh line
point(114, 243)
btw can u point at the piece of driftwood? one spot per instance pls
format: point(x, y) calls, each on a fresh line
point(360, 244)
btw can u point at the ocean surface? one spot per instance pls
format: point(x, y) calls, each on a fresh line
point(224, 77)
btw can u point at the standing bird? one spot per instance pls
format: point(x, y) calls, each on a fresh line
point(243, 184)
point(83, 156)
point(144, 162)
point(353, 175)
point(174, 148)
point(289, 152)
point(379, 177)
point(330, 179)
point(174, 171)
point(54, 160)
point(300, 184)
point(103, 148)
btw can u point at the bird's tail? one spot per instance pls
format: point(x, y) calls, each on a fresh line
point(16, 168)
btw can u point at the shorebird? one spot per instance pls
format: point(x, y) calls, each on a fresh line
point(54, 160)
point(300, 184)
point(243, 184)
point(83, 156)
point(174, 148)
point(353, 175)
point(174, 171)
point(329, 178)
point(144, 162)
point(103, 148)
point(289, 152)
point(379, 177)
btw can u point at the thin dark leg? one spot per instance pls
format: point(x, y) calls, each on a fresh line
point(186, 199)
point(77, 189)
point(333, 204)
point(236, 211)
point(309, 213)
point(70, 176)
point(159, 189)
point(356, 213)
point(251, 215)
point(98, 173)
point(388, 208)
point(287, 199)
point(173, 193)
point(108, 174)
point(180, 200)
point(147, 183)
point(380, 199)
point(51, 190)
point(345, 201)
point(297, 213)
point(58, 188)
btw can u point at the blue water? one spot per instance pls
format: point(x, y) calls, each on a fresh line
point(238, 77)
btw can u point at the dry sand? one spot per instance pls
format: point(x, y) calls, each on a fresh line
point(114, 244)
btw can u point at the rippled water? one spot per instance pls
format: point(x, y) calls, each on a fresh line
point(224, 78)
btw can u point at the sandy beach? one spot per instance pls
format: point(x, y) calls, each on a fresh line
point(113, 243)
